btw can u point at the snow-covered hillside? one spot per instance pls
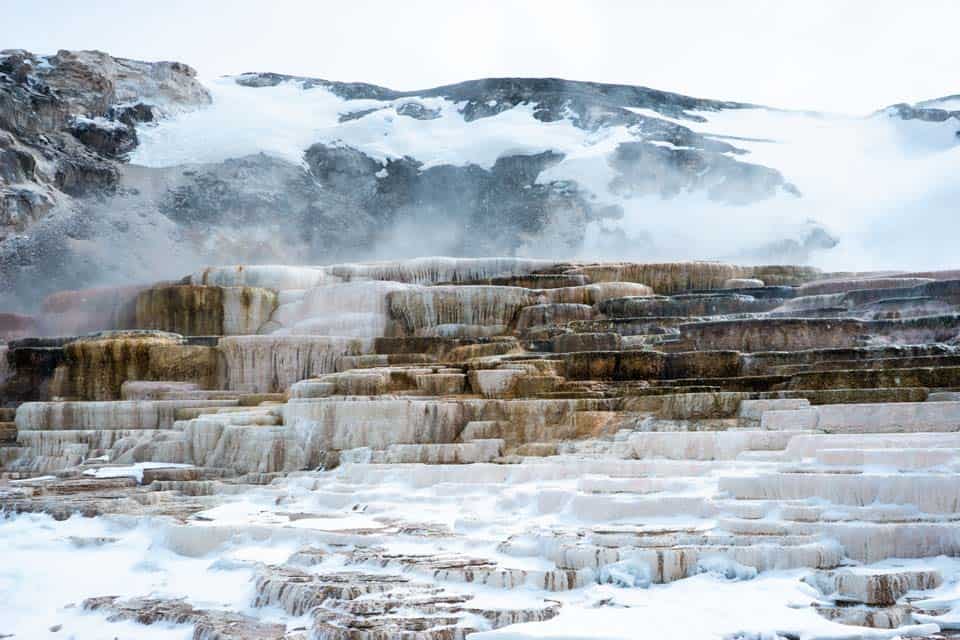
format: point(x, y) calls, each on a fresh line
point(286, 169)
point(876, 182)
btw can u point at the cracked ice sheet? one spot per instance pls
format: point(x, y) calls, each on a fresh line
point(703, 607)
point(45, 576)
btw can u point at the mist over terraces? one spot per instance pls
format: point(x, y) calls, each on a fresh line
point(236, 403)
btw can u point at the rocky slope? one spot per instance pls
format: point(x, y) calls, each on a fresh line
point(116, 171)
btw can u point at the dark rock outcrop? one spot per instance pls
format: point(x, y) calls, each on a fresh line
point(475, 210)
point(644, 168)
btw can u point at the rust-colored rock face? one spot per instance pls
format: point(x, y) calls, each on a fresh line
point(194, 310)
point(96, 367)
point(477, 310)
point(615, 365)
point(185, 309)
point(789, 275)
point(544, 315)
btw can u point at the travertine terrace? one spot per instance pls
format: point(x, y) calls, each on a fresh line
point(439, 448)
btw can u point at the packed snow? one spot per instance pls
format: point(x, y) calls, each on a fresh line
point(134, 471)
point(100, 123)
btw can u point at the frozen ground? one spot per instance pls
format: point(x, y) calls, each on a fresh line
point(211, 559)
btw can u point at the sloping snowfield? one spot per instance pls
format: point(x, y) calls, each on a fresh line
point(884, 186)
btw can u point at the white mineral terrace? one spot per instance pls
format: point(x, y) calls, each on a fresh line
point(487, 448)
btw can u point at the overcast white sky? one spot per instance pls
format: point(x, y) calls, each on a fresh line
point(838, 55)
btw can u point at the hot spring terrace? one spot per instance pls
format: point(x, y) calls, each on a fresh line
point(505, 448)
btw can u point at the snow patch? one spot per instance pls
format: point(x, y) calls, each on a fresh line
point(99, 122)
point(284, 120)
point(132, 471)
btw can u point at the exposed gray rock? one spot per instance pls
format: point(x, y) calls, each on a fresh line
point(926, 111)
point(110, 138)
point(594, 103)
point(417, 111)
point(927, 114)
point(284, 208)
point(813, 238)
point(472, 210)
point(645, 169)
